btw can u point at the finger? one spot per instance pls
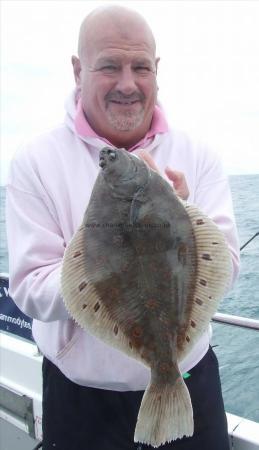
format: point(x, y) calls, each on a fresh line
point(179, 182)
point(174, 175)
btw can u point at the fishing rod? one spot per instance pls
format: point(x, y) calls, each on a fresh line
point(243, 246)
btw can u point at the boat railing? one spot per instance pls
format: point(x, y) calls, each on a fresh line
point(238, 321)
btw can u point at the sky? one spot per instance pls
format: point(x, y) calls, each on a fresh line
point(208, 73)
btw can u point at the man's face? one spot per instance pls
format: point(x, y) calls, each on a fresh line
point(118, 86)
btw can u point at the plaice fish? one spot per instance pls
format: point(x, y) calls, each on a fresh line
point(144, 273)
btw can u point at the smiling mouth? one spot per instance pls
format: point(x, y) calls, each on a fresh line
point(124, 102)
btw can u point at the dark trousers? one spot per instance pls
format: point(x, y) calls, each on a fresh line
point(82, 418)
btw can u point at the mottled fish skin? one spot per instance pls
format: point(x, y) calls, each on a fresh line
point(145, 273)
point(141, 252)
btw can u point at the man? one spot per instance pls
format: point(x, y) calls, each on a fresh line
point(91, 392)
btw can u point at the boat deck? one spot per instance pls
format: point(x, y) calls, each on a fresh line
point(12, 438)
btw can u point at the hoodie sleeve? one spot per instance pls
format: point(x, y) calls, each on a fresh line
point(35, 244)
point(213, 196)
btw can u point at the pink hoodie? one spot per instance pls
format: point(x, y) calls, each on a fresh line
point(48, 189)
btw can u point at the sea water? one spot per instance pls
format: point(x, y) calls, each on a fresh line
point(237, 349)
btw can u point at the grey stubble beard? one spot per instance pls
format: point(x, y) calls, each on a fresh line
point(126, 122)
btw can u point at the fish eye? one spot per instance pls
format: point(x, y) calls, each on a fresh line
point(112, 154)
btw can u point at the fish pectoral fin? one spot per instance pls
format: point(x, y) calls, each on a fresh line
point(165, 414)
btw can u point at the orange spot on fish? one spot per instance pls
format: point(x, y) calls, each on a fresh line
point(182, 253)
point(141, 247)
point(100, 260)
point(167, 275)
point(164, 367)
point(153, 267)
point(125, 267)
point(117, 240)
point(137, 332)
point(112, 292)
point(151, 303)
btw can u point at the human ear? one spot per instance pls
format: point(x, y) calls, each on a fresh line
point(77, 70)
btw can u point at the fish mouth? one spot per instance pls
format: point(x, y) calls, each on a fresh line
point(102, 163)
point(107, 156)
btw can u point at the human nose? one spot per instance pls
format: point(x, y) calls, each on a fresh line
point(126, 81)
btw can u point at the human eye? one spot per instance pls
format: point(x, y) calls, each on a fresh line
point(108, 67)
point(143, 68)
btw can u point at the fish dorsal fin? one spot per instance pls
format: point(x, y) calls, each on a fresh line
point(212, 277)
point(82, 301)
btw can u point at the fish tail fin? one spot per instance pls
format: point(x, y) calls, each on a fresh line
point(165, 414)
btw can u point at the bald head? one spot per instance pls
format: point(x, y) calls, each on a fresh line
point(105, 20)
point(115, 74)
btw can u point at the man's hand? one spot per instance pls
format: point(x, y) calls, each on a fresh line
point(177, 178)
point(179, 182)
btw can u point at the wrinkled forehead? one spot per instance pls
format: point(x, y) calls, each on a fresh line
point(105, 34)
